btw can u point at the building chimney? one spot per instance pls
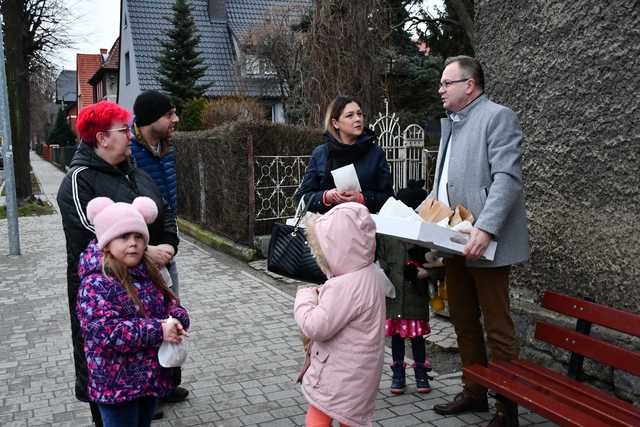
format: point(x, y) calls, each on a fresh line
point(217, 10)
point(104, 51)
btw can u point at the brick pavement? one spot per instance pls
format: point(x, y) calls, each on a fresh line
point(244, 349)
point(442, 333)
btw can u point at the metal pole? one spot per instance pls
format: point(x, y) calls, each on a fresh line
point(9, 177)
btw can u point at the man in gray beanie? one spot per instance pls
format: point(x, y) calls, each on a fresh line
point(155, 120)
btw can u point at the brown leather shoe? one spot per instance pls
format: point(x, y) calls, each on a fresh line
point(462, 403)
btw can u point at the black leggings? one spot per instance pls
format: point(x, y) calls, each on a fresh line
point(417, 346)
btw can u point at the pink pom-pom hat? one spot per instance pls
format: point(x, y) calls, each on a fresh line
point(115, 219)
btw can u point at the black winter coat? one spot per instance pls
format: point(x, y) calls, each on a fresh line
point(90, 177)
point(372, 169)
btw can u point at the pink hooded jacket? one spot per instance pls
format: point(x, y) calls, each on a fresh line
point(345, 319)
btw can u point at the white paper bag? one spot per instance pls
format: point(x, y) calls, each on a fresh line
point(171, 355)
point(346, 179)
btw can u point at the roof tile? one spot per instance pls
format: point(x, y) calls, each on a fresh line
point(149, 25)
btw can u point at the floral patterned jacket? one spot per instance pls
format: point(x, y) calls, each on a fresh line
point(120, 344)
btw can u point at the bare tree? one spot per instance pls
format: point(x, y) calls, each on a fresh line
point(279, 45)
point(334, 51)
point(42, 94)
point(345, 44)
point(32, 30)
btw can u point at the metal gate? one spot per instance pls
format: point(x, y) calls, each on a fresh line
point(405, 152)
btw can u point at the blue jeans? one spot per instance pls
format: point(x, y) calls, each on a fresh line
point(173, 272)
point(137, 413)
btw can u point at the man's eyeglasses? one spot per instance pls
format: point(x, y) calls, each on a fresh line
point(125, 130)
point(445, 84)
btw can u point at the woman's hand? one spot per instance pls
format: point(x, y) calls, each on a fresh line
point(332, 197)
point(351, 196)
point(160, 254)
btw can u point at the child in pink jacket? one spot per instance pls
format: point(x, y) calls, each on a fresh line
point(344, 319)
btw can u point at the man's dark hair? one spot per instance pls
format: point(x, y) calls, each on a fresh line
point(470, 67)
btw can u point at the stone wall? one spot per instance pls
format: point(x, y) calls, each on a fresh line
point(570, 70)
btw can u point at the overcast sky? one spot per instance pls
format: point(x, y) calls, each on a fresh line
point(94, 24)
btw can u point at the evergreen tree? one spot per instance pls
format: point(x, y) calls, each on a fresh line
point(412, 77)
point(61, 134)
point(180, 62)
point(446, 36)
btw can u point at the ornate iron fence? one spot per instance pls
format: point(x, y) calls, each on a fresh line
point(276, 181)
point(278, 177)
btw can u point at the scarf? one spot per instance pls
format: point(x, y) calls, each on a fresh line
point(343, 154)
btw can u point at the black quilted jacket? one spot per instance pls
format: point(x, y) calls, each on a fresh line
point(90, 177)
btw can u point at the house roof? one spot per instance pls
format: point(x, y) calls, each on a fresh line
point(87, 65)
point(66, 86)
point(149, 25)
point(111, 63)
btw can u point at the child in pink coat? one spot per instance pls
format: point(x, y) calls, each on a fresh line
point(344, 319)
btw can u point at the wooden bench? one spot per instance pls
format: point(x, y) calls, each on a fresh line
point(561, 398)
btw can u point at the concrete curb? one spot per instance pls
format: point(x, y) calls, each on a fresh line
point(216, 241)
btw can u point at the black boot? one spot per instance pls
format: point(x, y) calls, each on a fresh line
point(422, 379)
point(399, 380)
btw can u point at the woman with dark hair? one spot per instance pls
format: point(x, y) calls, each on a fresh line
point(101, 167)
point(346, 141)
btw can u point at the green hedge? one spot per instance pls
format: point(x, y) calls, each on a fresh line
point(225, 158)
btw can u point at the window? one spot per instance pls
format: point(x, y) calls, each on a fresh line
point(257, 67)
point(277, 113)
point(127, 69)
point(251, 65)
point(125, 20)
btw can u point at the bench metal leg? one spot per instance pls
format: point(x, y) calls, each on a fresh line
point(510, 410)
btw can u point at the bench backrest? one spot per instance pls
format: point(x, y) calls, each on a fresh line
point(585, 345)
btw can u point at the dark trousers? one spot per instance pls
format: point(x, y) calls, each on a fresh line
point(475, 292)
point(137, 413)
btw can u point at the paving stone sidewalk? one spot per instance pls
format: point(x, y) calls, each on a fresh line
point(442, 333)
point(244, 349)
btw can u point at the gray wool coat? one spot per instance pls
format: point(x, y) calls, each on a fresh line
point(485, 176)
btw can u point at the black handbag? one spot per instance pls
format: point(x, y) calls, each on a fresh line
point(289, 252)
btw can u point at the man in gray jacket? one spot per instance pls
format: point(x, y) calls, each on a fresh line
point(479, 167)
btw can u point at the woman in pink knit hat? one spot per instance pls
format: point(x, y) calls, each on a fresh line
point(125, 311)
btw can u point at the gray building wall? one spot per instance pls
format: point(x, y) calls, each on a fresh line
point(571, 70)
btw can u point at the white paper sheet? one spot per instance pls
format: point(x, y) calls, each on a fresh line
point(346, 179)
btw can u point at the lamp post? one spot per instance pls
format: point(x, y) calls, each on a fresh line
point(7, 153)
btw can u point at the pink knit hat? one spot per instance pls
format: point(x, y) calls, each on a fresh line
point(115, 219)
